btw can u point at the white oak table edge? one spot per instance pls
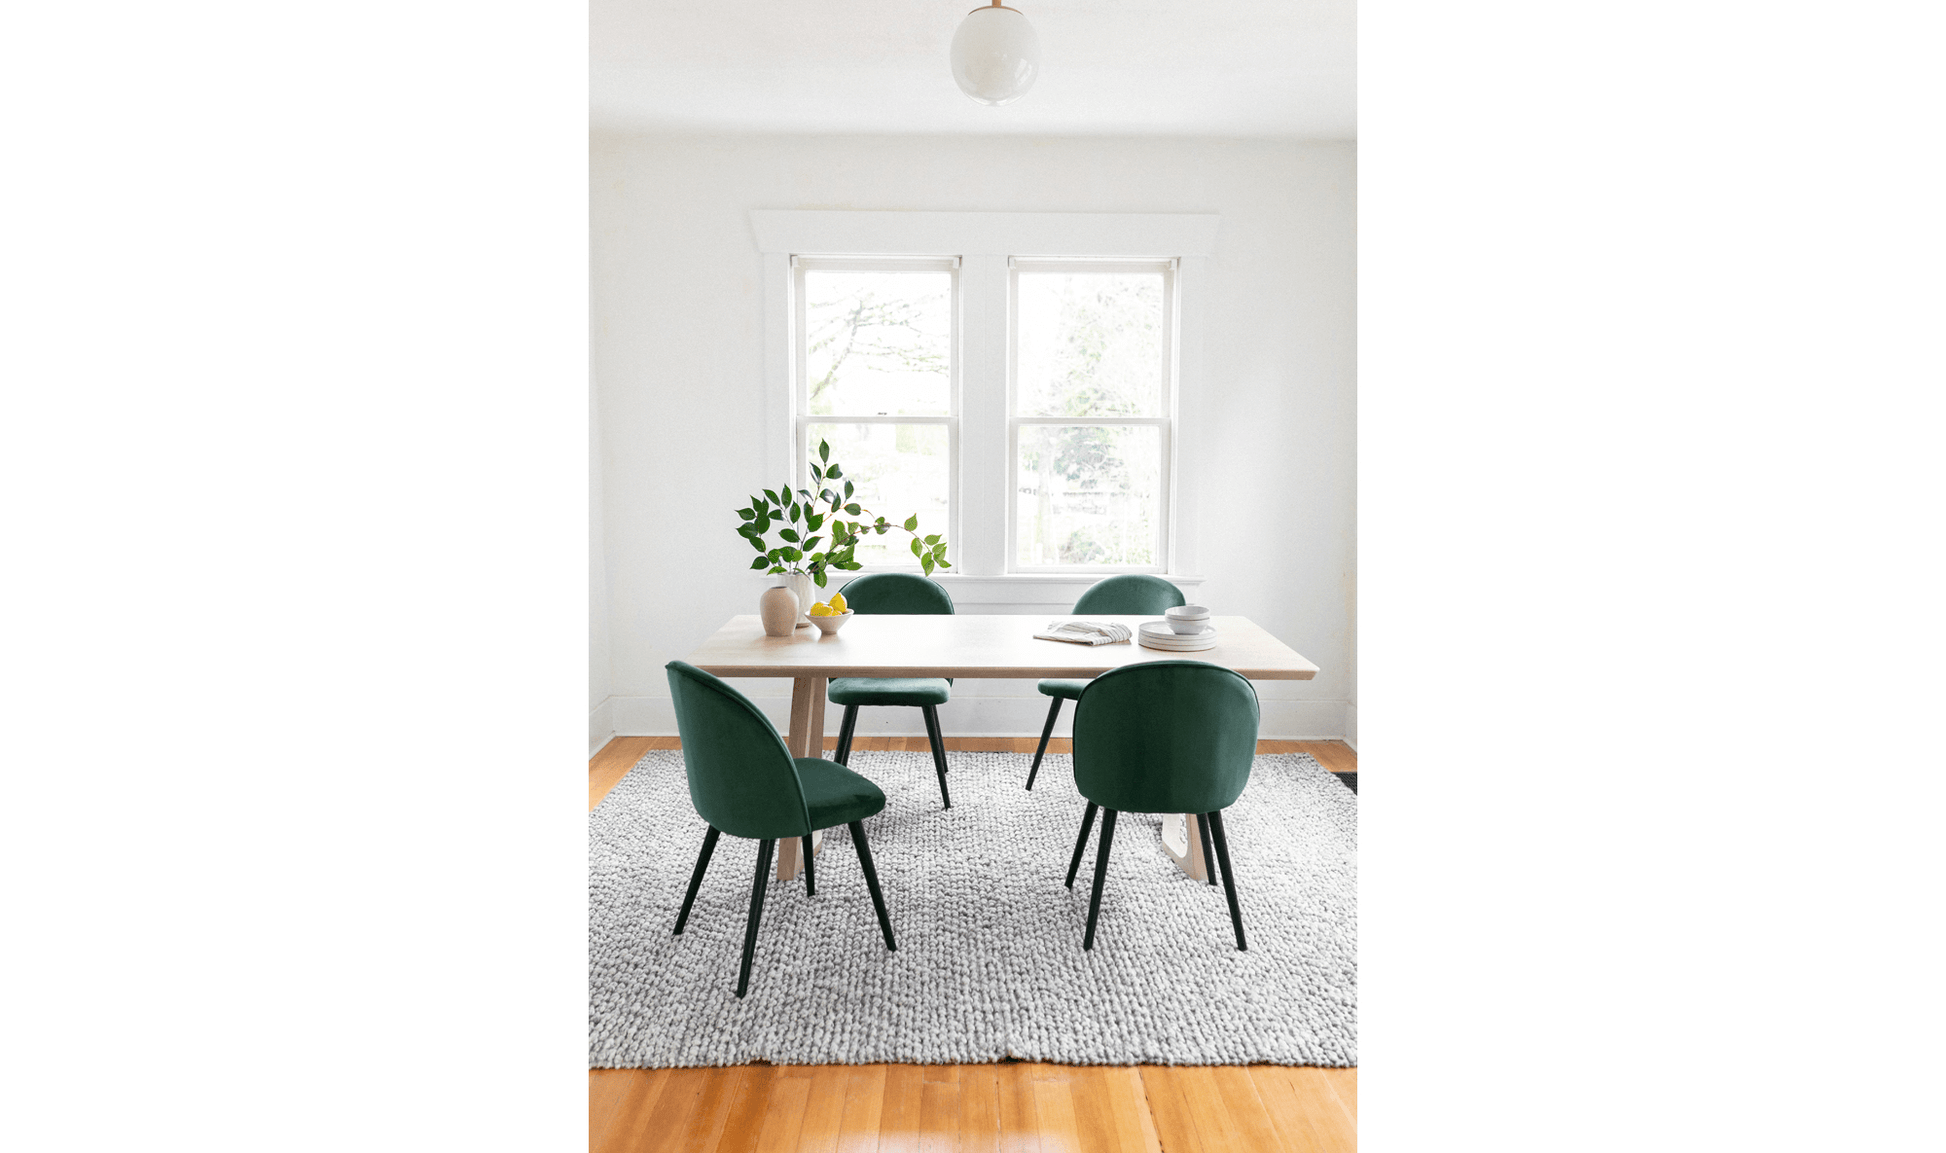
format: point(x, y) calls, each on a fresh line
point(994, 647)
point(961, 645)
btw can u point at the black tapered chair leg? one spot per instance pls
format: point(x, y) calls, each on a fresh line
point(846, 728)
point(756, 913)
point(810, 869)
point(1209, 853)
point(938, 751)
point(871, 881)
point(696, 878)
point(1229, 875)
point(1101, 875)
point(1047, 730)
point(1081, 842)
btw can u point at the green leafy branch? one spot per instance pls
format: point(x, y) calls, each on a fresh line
point(805, 519)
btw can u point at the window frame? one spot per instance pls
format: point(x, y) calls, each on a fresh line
point(984, 241)
point(802, 418)
point(1165, 423)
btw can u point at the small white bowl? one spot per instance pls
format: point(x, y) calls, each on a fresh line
point(1188, 620)
point(830, 625)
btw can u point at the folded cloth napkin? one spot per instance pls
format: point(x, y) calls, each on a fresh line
point(1085, 633)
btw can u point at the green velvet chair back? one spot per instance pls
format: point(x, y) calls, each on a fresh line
point(1165, 737)
point(741, 778)
point(1130, 593)
point(897, 592)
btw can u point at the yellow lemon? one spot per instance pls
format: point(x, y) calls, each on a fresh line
point(838, 603)
point(820, 610)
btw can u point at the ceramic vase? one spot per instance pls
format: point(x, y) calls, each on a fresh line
point(800, 585)
point(779, 609)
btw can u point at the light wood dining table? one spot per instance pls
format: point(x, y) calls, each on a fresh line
point(971, 646)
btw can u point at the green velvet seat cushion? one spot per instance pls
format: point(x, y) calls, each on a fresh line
point(835, 795)
point(1066, 690)
point(889, 691)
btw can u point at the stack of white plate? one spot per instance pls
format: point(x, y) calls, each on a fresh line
point(1158, 635)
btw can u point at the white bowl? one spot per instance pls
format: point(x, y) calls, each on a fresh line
point(830, 625)
point(1188, 620)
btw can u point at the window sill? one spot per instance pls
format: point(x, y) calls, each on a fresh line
point(1026, 579)
point(1020, 579)
point(1013, 592)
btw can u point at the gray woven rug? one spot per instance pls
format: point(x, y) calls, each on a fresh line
point(989, 964)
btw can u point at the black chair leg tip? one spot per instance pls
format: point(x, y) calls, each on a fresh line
point(871, 883)
point(1101, 875)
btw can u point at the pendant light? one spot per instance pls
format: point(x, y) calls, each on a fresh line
point(996, 54)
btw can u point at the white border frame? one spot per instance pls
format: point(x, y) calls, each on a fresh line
point(1091, 235)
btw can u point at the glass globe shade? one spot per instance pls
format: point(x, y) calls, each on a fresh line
point(996, 55)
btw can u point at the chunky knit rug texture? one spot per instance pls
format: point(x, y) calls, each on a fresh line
point(989, 964)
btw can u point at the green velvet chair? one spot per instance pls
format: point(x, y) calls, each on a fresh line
point(1163, 737)
point(895, 593)
point(744, 782)
point(1130, 593)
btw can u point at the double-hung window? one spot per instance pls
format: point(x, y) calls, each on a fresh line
point(1013, 380)
point(876, 376)
point(1090, 414)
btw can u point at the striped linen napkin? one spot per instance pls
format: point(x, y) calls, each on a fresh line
point(1086, 633)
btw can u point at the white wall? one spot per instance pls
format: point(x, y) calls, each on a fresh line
point(600, 682)
point(678, 356)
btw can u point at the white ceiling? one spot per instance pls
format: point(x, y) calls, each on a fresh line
point(1280, 68)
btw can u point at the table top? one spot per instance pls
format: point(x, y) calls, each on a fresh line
point(969, 645)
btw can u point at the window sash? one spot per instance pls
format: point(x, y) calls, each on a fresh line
point(802, 418)
point(1166, 483)
point(1165, 451)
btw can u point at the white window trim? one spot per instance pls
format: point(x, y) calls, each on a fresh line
point(983, 241)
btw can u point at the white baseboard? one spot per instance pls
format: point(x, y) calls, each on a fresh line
point(972, 714)
point(1351, 725)
point(601, 725)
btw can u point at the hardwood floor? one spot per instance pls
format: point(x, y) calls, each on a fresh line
point(1013, 1107)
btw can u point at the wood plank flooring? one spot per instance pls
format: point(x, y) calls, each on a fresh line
point(1015, 1107)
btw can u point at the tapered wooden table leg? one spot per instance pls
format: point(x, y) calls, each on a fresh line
point(806, 739)
point(814, 738)
point(1183, 841)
